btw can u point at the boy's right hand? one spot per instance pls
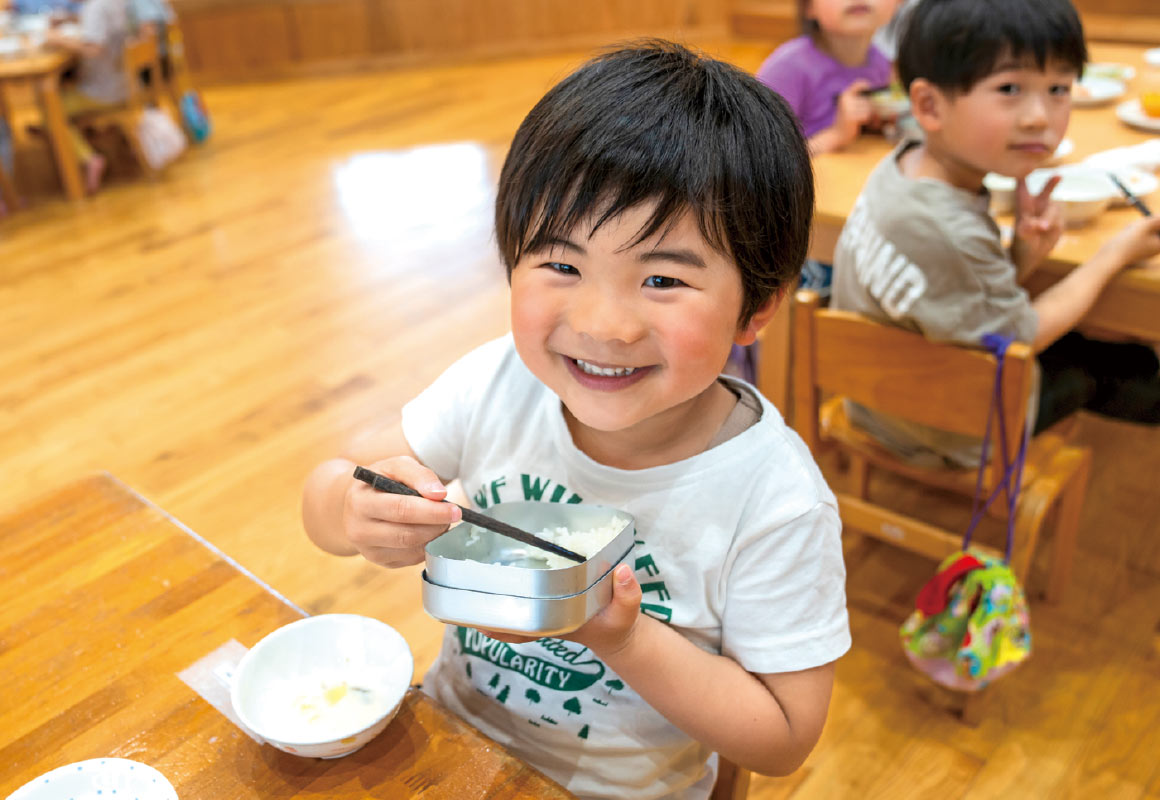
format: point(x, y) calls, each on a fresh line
point(392, 529)
point(1136, 242)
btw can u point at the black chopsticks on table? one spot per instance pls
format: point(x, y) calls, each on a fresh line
point(385, 484)
point(1136, 201)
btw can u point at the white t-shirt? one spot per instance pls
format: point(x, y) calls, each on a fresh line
point(737, 548)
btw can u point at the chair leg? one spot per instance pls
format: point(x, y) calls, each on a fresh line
point(1034, 504)
point(1067, 525)
point(974, 707)
point(8, 191)
point(859, 476)
point(129, 128)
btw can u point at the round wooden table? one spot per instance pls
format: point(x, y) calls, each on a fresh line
point(43, 68)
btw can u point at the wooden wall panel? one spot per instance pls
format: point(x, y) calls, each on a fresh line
point(1141, 8)
point(239, 38)
point(330, 29)
point(248, 39)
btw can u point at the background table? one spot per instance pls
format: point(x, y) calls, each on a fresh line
point(1128, 306)
point(43, 69)
point(104, 598)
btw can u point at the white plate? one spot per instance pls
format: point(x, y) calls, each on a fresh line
point(1065, 149)
point(1089, 92)
point(1132, 114)
point(1139, 183)
point(1152, 57)
point(97, 779)
point(1109, 69)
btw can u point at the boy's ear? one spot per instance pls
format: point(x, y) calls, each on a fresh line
point(747, 334)
point(927, 104)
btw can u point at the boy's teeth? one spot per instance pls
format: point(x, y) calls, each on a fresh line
point(606, 372)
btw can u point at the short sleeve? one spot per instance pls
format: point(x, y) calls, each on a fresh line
point(780, 73)
point(436, 423)
point(798, 570)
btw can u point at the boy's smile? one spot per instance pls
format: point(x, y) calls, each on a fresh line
point(631, 337)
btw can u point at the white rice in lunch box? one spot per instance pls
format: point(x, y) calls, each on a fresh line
point(586, 542)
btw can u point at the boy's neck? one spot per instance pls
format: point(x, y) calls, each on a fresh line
point(666, 438)
point(928, 160)
point(850, 51)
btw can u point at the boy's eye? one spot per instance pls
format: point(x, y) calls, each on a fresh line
point(1009, 88)
point(662, 282)
point(1061, 89)
point(563, 269)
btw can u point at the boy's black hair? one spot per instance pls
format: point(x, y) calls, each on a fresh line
point(654, 121)
point(954, 44)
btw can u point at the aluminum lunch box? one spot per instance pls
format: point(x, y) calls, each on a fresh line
point(481, 579)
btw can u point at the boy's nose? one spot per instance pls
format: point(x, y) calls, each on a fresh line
point(605, 319)
point(1034, 112)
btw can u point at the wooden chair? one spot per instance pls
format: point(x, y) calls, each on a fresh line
point(900, 373)
point(178, 79)
point(140, 57)
point(732, 781)
point(8, 191)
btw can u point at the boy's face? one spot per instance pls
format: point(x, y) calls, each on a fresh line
point(1010, 122)
point(850, 17)
point(627, 335)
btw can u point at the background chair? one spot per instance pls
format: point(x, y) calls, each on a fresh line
point(732, 781)
point(844, 355)
point(8, 191)
point(140, 58)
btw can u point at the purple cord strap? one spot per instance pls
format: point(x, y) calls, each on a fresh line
point(1012, 477)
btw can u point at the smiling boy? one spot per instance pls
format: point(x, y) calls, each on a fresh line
point(651, 211)
point(990, 85)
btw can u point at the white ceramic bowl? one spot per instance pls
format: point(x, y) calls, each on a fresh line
point(1082, 192)
point(323, 686)
point(1002, 189)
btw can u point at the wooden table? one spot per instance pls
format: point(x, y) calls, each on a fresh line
point(1130, 305)
point(43, 69)
point(104, 599)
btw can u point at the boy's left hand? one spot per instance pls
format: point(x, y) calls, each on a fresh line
point(1038, 225)
point(610, 630)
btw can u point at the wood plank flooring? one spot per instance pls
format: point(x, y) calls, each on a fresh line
point(210, 336)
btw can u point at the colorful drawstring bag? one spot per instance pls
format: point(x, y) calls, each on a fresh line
point(970, 624)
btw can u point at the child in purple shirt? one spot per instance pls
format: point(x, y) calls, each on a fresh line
point(823, 73)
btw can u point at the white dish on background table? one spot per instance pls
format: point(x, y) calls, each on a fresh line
point(97, 779)
point(1152, 57)
point(11, 46)
point(1132, 113)
point(1065, 149)
point(1083, 192)
point(1109, 69)
point(1090, 92)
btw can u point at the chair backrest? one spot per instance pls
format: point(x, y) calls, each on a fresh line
point(901, 373)
point(141, 57)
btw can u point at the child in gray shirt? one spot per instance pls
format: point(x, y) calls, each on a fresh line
point(989, 83)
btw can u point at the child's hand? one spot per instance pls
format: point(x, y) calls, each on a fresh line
point(1038, 224)
point(609, 631)
point(1137, 242)
point(392, 529)
point(854, 111)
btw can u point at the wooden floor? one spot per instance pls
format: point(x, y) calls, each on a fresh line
point(209, 337)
